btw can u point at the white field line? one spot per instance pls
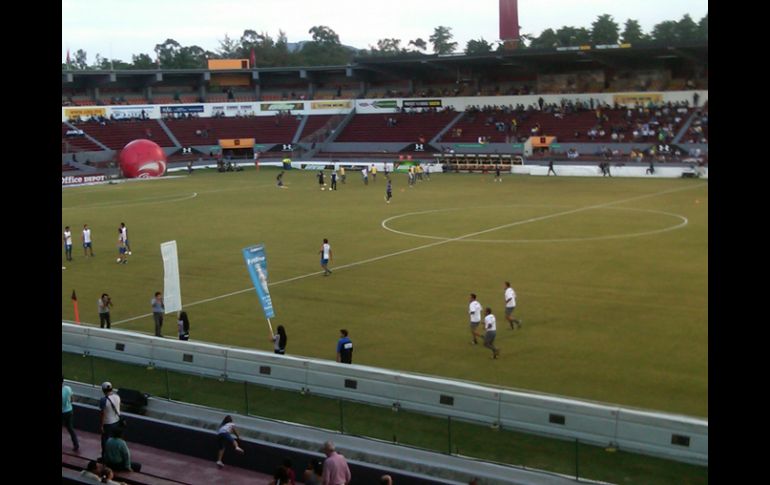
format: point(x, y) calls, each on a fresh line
point(430, 245)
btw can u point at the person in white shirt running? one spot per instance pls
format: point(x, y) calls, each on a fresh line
point(326, 256)
point(510, 305)
point(490, 327)
point(474, 310)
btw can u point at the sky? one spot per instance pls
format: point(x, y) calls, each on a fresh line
point(116, 29)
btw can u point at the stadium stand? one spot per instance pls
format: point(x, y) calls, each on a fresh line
point(117, 134)
point(408, 127)
point(264, 129)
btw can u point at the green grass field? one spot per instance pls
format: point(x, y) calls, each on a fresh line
point(611, 275)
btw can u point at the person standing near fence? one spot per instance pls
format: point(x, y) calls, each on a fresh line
point(157, 312)
point(66, 413)
point(335, 469)
point(227, 434)
point(109, 416)
point(183, 326)
point(279, 340)
point(103, 304)
point(344, 348)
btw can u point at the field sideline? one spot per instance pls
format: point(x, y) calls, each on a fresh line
point(611, 274)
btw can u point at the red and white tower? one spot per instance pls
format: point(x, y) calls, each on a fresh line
point(509, 23)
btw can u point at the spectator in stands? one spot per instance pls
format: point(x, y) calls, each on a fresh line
point(110, 413)
point(92, 472)
point(183, 326)
point(335, 469)
point(279, 340)
point(344, 348)
point(280, 477)
point(116, 453)
point(107, 477)
point(313, 473)
point(66, 413)
point(287, 465)
point(227, 434)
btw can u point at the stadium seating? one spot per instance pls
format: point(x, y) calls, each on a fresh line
point(264, 129)
point(408, 128)
point(117, 134)
point(76, 143)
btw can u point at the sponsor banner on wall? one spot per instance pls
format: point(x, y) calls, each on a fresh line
point(421, 103)
point(86, 112)
point(380, 104)
point(330, 104)
point(120, 113)
point(281, 106)
point(83, 179)
point(237, 143)
point(196, 108)
point(637, 98)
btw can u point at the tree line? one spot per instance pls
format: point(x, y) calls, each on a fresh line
point(325, 48)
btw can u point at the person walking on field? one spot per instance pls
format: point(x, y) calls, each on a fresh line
point(474, 310)
point(87, 243)
point(490, 328)
point(326, 256)
point(510, 305)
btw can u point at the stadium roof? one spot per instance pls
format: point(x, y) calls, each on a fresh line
point(532, 61)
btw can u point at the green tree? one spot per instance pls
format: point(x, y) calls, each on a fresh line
point(546, 40)
point(167, 52)
point(419, 44)
point(703, 28)
point(80, 61)
point(573, 36)
point(480, 46)
point(142, 61)
point(228, 48)
point(665, 32)
point(632, 32)
point(324, 35)
point(441, 40)
point(686, 29)
point(324, 50)
point(190, 57)
point(388, 47)
point(604, 30)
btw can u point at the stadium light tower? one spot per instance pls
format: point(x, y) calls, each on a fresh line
point(509, 23)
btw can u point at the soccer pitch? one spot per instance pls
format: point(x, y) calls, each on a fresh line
point(611, 275)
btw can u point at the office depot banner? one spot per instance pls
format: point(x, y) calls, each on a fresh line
point(83, 179)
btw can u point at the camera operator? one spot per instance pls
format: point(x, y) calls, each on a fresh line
point(104, 303)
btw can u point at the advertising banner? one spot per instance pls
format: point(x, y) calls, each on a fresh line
point(632, 99)
point(256, 262)
point(83, 179)
point(126, 112)
point(196, 108)
point(281, 106)
point(172, 292)
point(421, 103)
point(70, 113)
point(330, 104)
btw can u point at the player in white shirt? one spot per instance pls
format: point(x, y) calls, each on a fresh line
point(124, 234)
point(510, 305)
point(474, 310)
point(68, 243)
point(326, 256)
point(86, 237)
point(490, 327)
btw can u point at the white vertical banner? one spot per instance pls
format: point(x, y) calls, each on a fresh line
point(172, 292)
